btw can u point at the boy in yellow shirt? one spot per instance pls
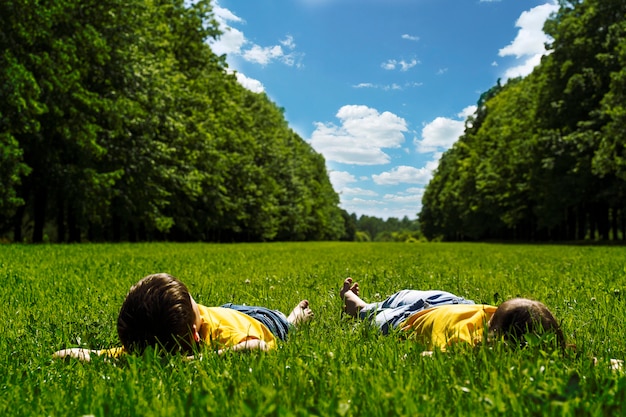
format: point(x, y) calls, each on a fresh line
point(439, 318)
point(159, 311)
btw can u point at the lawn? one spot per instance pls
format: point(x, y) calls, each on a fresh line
point(57, 296)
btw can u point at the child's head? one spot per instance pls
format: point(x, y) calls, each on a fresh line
point(158, 311)
point(520, 316)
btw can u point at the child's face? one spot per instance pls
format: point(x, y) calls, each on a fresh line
point(198, 319)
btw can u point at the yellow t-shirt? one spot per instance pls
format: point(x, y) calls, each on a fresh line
point(441, 326)
point(224, 327)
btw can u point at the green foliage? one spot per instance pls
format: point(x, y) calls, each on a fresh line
point(119, 123)
point(390, 230)
point(542, 158)
point(57, 296)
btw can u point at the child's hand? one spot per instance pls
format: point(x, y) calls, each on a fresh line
point(193, 357)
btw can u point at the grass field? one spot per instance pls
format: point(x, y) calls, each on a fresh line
point(54, 297)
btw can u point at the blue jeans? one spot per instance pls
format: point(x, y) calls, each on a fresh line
point(275, 320)
point(394, 310)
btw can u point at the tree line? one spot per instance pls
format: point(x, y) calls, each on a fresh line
point(373, 229)
point(544, 157)
point(118, 122)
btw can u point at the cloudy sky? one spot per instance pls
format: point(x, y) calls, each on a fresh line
point(379, 87)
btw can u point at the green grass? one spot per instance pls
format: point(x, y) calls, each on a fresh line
point(54, 297)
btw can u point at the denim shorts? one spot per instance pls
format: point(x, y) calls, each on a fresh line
point(274, 320)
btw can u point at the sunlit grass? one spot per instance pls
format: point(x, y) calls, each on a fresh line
point(54, 297)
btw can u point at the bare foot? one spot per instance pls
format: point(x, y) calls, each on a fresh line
point(300, 313)
point(350, 295)
point(349, 285)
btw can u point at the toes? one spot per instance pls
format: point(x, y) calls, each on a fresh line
point(347, 286)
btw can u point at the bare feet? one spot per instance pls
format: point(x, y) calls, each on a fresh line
point(350, 295)
point(300, 313)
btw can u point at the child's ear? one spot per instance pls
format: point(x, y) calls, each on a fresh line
point(195, 333)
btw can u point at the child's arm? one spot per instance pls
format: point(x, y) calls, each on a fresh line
point(76, 353)
point(248, 344)
point(85, 354)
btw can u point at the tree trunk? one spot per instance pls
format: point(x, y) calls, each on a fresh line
point(72, 225)
point(17, 223)
point(39, 211)
point(571, 223)
point(60, 219)
point(115, 231)
point(615, 224)
point(603, 221)
point(581, 229)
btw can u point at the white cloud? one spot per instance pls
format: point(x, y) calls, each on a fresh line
point(402, 65)
point(388, 87)
point(250, 83)
point(382, 209)
point(529, 44)
point(467, 111)
point(415, 190)
point(403, 175)
point(442, 132)
point(224, 15)
point(229, 43)
point(433, 163)
point(389, 65)
point(262, 55)
point(288, 42)
point(358, 191)
point(339, 179)
point(233, 43)
point(410, 37)
point(404, 198)
point(361, 137)
point(523, 69)
point(407, 203)
point(360, 202)
point(265, 55)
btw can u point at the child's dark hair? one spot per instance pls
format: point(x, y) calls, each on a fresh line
point(157, 312)
point(520, 316)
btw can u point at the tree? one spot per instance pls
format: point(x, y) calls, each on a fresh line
point(119, 122)
point(542, 156)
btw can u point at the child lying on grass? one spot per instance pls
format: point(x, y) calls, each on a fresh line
point(159, 312)
point(438, 318)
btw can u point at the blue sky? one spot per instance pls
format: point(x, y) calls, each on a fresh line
point(379, 87)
